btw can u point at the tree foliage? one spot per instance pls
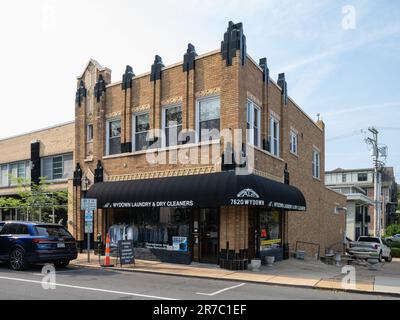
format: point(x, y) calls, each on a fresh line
point(36, 200)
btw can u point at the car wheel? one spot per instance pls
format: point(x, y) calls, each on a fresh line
point(61, 263)
point(18, 260)
point(380, 257)
point(389, 259)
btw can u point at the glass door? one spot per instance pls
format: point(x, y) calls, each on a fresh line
point(209, 235)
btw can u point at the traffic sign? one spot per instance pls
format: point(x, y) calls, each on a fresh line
point(89, 227)
point(88, 216)
point(88, 204)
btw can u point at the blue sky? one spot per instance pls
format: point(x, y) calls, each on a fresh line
point(350, 77)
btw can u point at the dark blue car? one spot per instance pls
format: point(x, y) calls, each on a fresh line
point(25, 243)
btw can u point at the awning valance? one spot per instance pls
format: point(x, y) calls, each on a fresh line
point(203, 190)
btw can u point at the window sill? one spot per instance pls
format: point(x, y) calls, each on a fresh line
point(317, 179)
point(294, 154)
point(266, 152)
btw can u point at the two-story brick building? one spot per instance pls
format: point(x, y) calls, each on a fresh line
point(46, 153)
point(175, 192)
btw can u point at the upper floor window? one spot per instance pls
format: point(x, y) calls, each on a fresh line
point(253, 124)
point(208, 118)
point(172, 125)
point(141, 127)
point(316, 164)
point(361, 177)
point(57, 167)
point(293, 141)
point(113, 143)
point(344, 177)
point(11, 172)
point(274, 136)
point(89, 133)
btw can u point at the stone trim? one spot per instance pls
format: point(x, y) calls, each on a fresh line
point(163, 174)
point(141, 108)
point(112, 115)
point(268, 175)
point(209, 92)
point(171, 101)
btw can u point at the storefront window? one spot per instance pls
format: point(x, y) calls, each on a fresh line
point(270, 229)
point(163, 228)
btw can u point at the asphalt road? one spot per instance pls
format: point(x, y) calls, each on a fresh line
point(93, 284)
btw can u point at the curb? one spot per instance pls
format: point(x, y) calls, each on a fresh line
point(315, 287)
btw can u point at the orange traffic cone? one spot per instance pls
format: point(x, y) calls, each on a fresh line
point(107, 262)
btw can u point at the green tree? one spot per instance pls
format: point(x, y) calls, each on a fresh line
point(37, 201)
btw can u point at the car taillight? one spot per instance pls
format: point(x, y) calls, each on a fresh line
point(36, 240)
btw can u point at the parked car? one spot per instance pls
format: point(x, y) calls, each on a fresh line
point(370, 247)
point(393, 239)
point(25, 243)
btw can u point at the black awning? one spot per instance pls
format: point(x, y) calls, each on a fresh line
point(204, 190)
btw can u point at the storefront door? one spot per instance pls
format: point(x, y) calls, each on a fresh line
point(209, 235)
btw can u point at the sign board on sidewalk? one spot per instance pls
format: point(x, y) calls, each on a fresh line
point(126, 252)
point(88, 204)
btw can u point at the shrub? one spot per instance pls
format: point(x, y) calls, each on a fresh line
point(396, 252)
point(392, 230)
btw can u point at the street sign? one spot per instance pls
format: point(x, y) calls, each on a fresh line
point(126, 252)
point(88, 227)
point(88, 204)
point(88, 216)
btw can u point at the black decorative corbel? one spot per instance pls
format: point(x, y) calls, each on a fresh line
point(189, 58)
point(264, 66)
point(99, 173)
point(156, 69)
point(80, 93)
point(127, 78)
point(283, 85)
point(77, 180)
point(99, 88)
point(234, 39)
point(286, 176)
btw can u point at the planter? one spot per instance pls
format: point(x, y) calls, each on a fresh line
point(269, 260)
point(255, 264)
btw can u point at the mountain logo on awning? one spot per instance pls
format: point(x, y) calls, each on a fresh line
point(248, 193)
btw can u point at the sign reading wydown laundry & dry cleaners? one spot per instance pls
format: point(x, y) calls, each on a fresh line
point(150, 204)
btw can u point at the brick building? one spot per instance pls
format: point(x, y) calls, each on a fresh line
point(252, 186)
point(30, 156)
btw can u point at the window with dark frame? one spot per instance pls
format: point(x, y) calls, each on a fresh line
point(114, 137)
point(208, 118)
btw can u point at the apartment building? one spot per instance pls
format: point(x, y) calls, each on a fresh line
point(358, 186)
point(28, 157)
point(206, 160)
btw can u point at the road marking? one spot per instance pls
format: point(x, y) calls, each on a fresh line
point(220, 291)
point(90, 289)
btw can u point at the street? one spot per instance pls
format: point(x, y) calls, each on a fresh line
point(75, 283)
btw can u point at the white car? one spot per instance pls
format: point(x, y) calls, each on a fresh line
point(370, 248)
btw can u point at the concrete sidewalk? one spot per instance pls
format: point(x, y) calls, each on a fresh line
point(292, 272)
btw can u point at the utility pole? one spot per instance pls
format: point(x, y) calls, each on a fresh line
point(377, 179)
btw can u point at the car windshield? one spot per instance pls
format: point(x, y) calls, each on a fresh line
point(52, 231)
point(368, 239)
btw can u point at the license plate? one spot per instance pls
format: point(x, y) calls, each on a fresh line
point(60, 245)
